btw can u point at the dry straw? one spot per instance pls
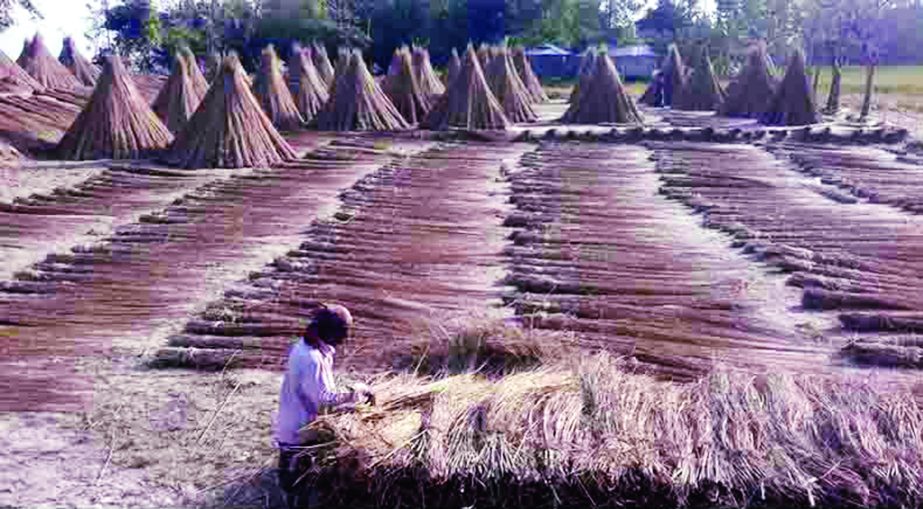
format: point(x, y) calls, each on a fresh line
point(14, 78)
point(747, 95)
point(509, 89)
point(178, 99)
point(309, 90)
point(527, 75)
point(116, 123)
point(273, 93)
point(702, 91)
point(602, 98)
point(426, 77)
point(793, 101)
point(357, 103)
point(85, 71)
point(229, 129)
point(38, 62)
point(401, 86)
point(322, 63)
point(586, 431)
point(468, 103)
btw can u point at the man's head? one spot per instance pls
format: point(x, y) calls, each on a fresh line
point(330, 324)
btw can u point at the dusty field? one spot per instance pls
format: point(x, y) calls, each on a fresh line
point(680, 255)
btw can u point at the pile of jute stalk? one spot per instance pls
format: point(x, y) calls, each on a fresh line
point(47, 71)
point(85, 71)
point(356, 101)
point(585, 431)
point(116, 123)
point(229, 129)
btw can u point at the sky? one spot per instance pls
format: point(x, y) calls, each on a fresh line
point(60, 18)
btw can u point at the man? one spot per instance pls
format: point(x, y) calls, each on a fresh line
point(308, 387)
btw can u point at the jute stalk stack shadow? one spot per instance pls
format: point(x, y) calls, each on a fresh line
point(602, 98)
point(230, 128)
point(273, 93)
point(117, 123)
point(38, 62)
point(793, 101)
point(357, 103)
point(195, 73)
point(584, 73)
point(14, 78)
point(402, 87)
point(178, 99)
point(85, 71)
point(322, 63)
point(509, 90)
point(702, 91)
point(309, 90)
point(468, 103)
point(527, 75)
point(747, 95)
point(426, 77)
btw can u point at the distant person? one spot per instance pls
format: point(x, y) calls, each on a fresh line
point(307, 388)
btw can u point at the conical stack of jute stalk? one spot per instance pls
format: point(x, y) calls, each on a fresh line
point(584, 73)
point(322, 63)
point(603, 99)
point(527, 75)
point(747, 95)
point(402, 88)
point(484, 55)
point(14, 78)
point(230, 128)
point(793, 101)
point(195, 73)
point(178, 99)
point(426, 76)
point(38, 62)
point(357, 103)
point(85, 71)
point(453, 69)
point(509, 90)
point(674, 77)
point(273, 93)
point(117, 123)
point(308, 89)
point(468, 103)
point(702, 92)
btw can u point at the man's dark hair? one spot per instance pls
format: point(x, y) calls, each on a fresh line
point(331, 327)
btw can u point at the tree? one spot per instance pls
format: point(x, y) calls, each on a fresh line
point(6, 11)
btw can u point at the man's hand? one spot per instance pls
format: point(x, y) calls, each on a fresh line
point(363, 393)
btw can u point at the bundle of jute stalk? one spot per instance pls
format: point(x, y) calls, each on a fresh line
point(116, 123)
point(509, 89)
point(747, 95)
point(527, 75)
point(230, 129)
point(468, 103)
point(588, 432)
point(322, 63)
point(273, 93)
point(602, 98)
point(702, 91)
point(793, 101)
point(15, 78)
point(199, 83)
point(38, 62)
point(584, 73)
point(309, 90)
point(179, 98)
point(86, 72)
point(453, 69)
point(402, 87)
point(356, 101)
point(423, 71)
